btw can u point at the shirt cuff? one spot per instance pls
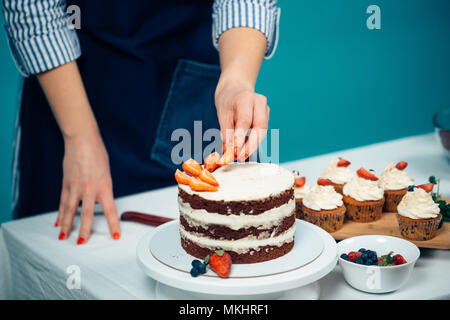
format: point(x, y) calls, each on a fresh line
point(45, 51)
point(263, 17)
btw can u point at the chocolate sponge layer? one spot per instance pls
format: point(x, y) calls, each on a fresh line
point(264, 253)
point(251, 207)
point(225, 233)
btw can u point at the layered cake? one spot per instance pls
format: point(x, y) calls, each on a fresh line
point(251, 215)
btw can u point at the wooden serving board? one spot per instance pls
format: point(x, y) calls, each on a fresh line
point(388, 225)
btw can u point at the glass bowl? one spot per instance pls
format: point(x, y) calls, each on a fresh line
point(441, 122)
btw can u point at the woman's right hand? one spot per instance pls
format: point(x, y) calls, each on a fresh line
point(86, 178)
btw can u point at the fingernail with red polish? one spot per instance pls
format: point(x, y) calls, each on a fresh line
point(62, 236)
point(223, 147)
point(116, 236)
point(81, 240)
point(56, 223)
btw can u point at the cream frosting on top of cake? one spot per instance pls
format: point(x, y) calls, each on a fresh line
point(247, 181)
point(323, 198)
point(394, 179)
point(301, 192)
point(339, 175)
point(418, 204)
point(362, 189)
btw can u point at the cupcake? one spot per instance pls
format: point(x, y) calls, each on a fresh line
point(363, 197)
point(339, 173)
point(394, 180)
point(418, 215)
point(324, 207)
point(300, 190)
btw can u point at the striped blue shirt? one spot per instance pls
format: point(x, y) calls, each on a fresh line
point(41, 38)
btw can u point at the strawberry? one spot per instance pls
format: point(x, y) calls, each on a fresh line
point(324, 182)
point(427, 187)
point(363, 173)
point(182, 177)
point(399, 259)
point(192, 167)
point(353, 255)
point(227, 158)
point(343, 163)
point(401, 165)
point(199, 185)
point(207, 177)
point(211, 161)
point(220, 262)
point(300, 181)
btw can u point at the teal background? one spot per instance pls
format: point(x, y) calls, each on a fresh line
point(332, 84)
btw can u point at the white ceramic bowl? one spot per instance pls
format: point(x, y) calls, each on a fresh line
point(375, 279)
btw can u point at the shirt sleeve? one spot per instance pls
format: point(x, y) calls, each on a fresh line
point(262, 15)
point(39, 34)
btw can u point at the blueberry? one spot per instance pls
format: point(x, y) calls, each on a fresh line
point(364, 256)
point(196, 263)
point(358, 261)
point(345, 257)
point(362, 250)
point(202, 268)
point(194, 272)
point(411, 188)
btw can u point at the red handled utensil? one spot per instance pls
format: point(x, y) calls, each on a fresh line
point(149, 219)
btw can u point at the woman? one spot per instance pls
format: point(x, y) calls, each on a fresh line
point(99, 104)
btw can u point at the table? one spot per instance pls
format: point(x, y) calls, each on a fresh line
point(35, 265)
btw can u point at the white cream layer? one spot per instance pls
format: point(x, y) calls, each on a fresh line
point(247, 181)
point(241, 245)
point(265, 220)
point(393, 179)
point(418, 204)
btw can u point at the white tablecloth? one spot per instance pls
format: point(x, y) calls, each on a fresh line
point(35, 265)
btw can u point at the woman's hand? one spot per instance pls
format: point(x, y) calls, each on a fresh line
point(240, 109)
point(86, 178)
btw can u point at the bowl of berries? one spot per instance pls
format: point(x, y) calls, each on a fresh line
point(377, 263)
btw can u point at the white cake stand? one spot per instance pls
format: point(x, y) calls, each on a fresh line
point(299, 283)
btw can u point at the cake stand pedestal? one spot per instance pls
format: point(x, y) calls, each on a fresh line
point(298, 283)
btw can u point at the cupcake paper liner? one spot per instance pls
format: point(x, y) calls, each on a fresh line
point(418, 229)
point(392, 198)
point(298, 208)
point(329, 221)
point(363, 211)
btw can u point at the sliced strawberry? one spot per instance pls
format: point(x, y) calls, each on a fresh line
point(199, 185)
point(427, 187)
point(363, 173)
point(399, 259)
point(300, 181)
point(227, 158)
point(401, 165)
point(343, 163)
point(325, 182)
point(207, 177)
point(192, 167)
point(211, 161)
point(182, 177)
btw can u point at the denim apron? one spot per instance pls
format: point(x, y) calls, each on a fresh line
point(149, 67)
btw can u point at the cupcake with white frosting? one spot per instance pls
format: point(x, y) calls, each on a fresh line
point(363, 197)
point(300, 191)
point(339, 173)
point(418, 215)
point(395, 181)
point(324, 207)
